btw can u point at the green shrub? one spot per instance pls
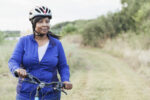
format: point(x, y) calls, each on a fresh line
point(68, 29)
point(1, 37)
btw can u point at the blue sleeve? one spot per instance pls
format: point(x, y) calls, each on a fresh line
point(63, 67)
point(16, 58)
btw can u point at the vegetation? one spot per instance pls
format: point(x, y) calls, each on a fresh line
point(133, 18)
point(1, 37)
point(11, 34)
point(65, 28)
point(95, 75)
point(118, 71)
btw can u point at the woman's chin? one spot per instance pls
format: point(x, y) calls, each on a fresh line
point(44, 32)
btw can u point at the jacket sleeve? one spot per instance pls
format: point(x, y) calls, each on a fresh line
point(63, 67)
point(16, 57)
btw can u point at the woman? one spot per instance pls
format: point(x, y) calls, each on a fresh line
point(40, 54)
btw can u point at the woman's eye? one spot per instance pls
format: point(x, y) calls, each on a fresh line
point(44, 21)
point(47, 21)
point(40, 21)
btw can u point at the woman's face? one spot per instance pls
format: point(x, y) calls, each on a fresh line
point(42, 26)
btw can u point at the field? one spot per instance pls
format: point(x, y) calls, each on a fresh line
point(95, 74)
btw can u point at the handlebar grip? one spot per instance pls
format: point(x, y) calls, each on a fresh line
point(63, 85)
point(16, 74)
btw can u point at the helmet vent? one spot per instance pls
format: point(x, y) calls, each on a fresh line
point(41, 10)
point(49, 11)
point(37, 10)
point(43, 7)
point(46, 9)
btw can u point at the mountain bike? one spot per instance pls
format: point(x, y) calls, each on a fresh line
point(58, 86)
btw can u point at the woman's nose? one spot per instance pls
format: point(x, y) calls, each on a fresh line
point(45, 24)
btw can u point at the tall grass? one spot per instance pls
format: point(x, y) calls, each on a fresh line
point(6, 48)
point(8, 82)
point(133, 48)
point(1, 37)
point(95, 75)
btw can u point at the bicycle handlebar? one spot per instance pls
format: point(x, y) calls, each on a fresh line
point(34, 80)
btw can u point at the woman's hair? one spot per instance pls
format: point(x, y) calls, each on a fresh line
point(54, 35)
point(35, 20)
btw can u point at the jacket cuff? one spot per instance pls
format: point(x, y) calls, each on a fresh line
point(65, 79)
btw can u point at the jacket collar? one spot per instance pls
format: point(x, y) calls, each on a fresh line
point(52, 42)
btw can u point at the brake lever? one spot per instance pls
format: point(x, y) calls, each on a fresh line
point(61, 90)
point(64, 92)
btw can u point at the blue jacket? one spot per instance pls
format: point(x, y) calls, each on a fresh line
point(26, 55)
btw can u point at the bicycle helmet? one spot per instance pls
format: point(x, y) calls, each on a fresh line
point(40, 11)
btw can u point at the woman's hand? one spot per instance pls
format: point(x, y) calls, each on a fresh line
point(21, 72)
point(68, 85)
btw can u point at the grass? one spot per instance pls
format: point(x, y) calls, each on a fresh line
point(7, 81)
point(105, 77)
point(95, 74)
point(132, 48)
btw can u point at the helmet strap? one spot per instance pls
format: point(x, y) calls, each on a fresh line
point(39, 34)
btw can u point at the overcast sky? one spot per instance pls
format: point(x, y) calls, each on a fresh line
point(14, 13)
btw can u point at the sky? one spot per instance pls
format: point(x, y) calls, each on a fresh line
point(15, 13)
